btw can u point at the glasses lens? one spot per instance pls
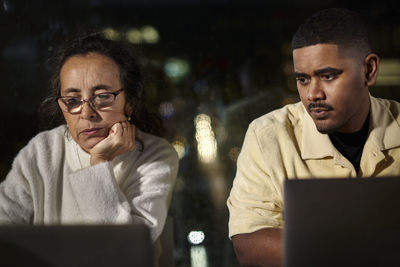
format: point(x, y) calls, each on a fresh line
point(103, 100)
point(71, 104)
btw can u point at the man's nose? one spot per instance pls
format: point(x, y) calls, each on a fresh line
point(315, 90)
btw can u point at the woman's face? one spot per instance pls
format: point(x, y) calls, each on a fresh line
point(83, 76)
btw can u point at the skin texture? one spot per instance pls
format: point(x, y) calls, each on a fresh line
point(103, 134)
point(261, 248)
point(333, 86)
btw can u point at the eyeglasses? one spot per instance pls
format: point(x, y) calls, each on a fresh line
point(74, 104)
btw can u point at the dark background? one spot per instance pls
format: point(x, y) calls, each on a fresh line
point(239, 59)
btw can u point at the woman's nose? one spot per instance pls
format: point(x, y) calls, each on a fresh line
point(87, 111)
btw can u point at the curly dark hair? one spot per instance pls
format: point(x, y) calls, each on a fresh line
point(123, 54)
point(339, 26)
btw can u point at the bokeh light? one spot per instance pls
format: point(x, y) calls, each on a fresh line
point(205, 137)
point(166, 109)
point(111, 33)
point(134, 36)
point(196, 237)
point(198, 256)
point(150, 34)
point(176, 68)
point(179, 148)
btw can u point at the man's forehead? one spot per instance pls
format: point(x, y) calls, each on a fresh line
point(314, 57)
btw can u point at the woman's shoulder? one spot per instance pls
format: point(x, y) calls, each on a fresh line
point(151, 144)
point(46, 141)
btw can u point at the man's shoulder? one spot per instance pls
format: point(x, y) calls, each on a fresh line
point(289, 116)
point(391, 106)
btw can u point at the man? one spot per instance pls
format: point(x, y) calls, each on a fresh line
point(337, 130)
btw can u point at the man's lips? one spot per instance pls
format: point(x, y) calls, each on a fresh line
point(319, 111)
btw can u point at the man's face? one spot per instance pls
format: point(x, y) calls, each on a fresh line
point(332, 87)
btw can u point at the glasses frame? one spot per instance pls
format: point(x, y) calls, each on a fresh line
point(83, 101)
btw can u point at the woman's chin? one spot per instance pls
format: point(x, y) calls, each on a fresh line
point(88, 144)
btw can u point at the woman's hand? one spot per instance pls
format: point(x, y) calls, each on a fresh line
point(120, 139)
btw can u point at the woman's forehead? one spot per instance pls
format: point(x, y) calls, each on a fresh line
point(89, 71)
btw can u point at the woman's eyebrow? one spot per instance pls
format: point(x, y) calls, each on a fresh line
point(71, 90)
point(101, 86)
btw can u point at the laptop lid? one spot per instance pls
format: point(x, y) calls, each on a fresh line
point(342, 222)
point(79, 245)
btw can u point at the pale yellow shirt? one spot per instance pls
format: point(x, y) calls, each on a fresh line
point(285, 144)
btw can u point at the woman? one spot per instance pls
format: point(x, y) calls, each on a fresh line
point(102, 166)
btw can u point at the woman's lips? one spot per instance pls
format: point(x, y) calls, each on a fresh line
point(91, 131)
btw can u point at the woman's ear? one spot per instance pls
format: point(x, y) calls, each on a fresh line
point(129, 109)
point(371, 63)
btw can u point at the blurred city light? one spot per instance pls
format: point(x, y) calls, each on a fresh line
point(198, 256)
point(179, 148)
point(206, 142)
point(389, 72)
point(134, 36)
point(176, 68)
point(196, 237)
point(166, 109)
point(110, 33)
point(150, 34)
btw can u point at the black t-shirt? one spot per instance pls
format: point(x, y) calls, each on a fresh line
point(351, 145)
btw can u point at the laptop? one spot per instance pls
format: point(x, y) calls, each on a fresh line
point(76, 245)
point(342, 222)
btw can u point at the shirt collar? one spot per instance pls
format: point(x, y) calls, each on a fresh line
point(385, 133)
point(314, 145)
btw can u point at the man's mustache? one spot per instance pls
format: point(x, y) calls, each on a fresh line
point(319, 105)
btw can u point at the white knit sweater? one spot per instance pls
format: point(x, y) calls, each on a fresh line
point(52, 182)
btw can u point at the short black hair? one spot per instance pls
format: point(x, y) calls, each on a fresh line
point(339, 26)
point(123, 53)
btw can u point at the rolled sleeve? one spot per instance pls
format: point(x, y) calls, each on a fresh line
point(253, 202)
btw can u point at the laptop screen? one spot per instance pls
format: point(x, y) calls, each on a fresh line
point(342, 222)
point(79, 245)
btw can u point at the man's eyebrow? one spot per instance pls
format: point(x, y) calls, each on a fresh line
point(301, 75)
point(328, 70)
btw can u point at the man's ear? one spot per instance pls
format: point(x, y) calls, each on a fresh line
point(371, 63)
